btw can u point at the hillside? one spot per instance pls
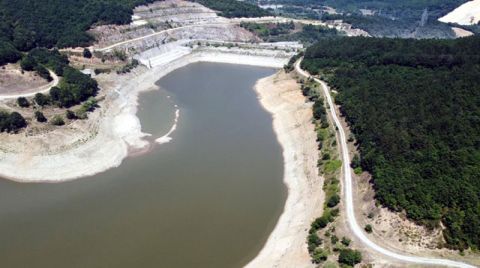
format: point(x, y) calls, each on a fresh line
point(26, 24)
point(414, 107)
point(383, 18)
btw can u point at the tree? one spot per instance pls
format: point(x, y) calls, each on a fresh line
point(43, 72)
point(349, 257)
point(41, 99)
point(86, 53)
point(40, 117)
point(28, 63)
point(8, 53)
point(16, 122)
point(368, 228)
point(23, 102)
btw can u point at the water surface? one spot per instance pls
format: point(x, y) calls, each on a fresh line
point(209, 198)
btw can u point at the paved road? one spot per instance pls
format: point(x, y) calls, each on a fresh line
point(355, 228)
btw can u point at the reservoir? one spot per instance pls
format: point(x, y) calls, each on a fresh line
point(208, 198)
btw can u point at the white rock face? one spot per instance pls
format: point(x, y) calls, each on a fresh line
point(466, 14)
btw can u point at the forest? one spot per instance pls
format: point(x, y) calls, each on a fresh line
point(414, 109)
point(59, 23)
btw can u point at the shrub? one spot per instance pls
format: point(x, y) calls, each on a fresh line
point(23, 102)
point(333, 200)
point(40, 117)
point(320, 223)
point(81, 114)
point(57, 121)
point(349, 257)
point(355, 161)
point(41, 99)
point(345, 241)
point(334, 239)
point(15, 122)
point(70, 115)
point(86, 53)
point(319, 255)
point(368, 228)
point(358, 170)
point(313, 240)
point(332, 166)
point(43, 73)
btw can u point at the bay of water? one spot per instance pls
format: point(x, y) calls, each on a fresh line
point(209, 198)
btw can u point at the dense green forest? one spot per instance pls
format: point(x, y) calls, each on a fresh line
point(233, 8)
point(26, 24)
point(414, 108)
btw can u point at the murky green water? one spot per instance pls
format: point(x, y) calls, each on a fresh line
point(209, 198)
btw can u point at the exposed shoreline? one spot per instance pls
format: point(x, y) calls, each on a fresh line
point(292, 122)
point(116, 134)
point(114, 130)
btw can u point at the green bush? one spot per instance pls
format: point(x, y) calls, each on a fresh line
point(345, 241)
point(40, 117)
point(334, 239)
point(333, 200)
point(41, 99)
point(349, 257)
point(11, 122)
point(319, 255)
point(86, 53)
point(320, 223)
point(57, 121)
point(368, 228)
point(70, 115)
point(332, 166)
point(23, 102)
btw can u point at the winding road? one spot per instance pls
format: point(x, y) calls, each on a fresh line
point(354, 226)
point(42, 89)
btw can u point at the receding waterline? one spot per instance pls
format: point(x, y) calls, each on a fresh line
point(207, 198)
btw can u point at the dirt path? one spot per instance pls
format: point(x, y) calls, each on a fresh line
point(42, 89)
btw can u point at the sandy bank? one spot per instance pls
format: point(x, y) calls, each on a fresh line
point(292, 121)
point(466, 14)
point(102, 142)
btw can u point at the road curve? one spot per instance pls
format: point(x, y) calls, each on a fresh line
point(355, 228)
point(42, 89)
